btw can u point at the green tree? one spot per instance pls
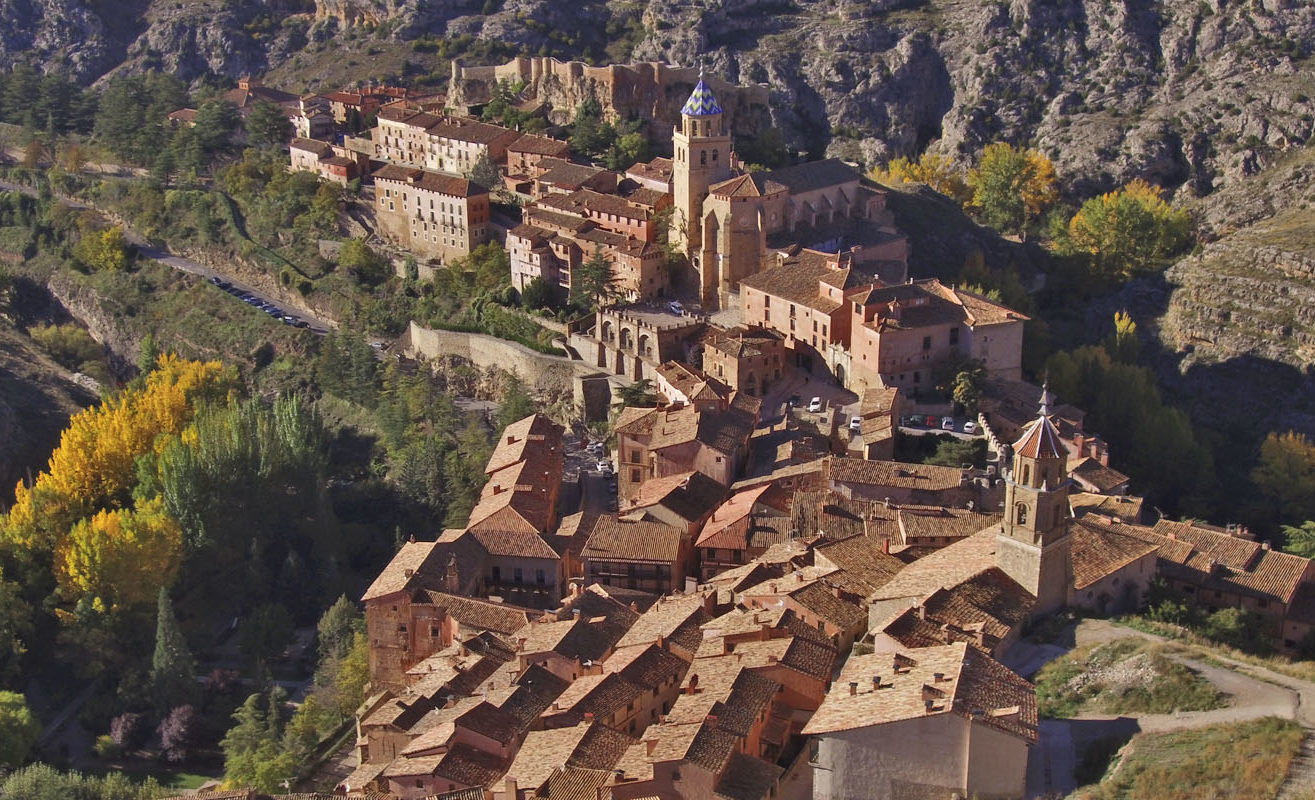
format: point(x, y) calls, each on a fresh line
point(336, 628)
point(485, 172)
point(1285, 474)
point(628, 150)
point(102, 250)
point(268, 127)
point(15, 630)
point(172, 668)
point(1012, 186)
point(636, 395)
point(216, 122)
point(1129, 232)
point(1300, 539)
point(516, 402)
point(589, 134)
point(594, 283)
point(265, 632)
point(954, 452)
point(365, 265)
point(538, 293)
point(19, 730)
point(254, 753)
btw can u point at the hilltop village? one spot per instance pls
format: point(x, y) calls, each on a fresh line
point(746, 597)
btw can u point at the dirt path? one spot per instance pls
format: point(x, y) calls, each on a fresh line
point(1253, 692)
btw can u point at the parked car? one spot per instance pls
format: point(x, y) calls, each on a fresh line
point(931, 421)
point(675, 307)
point(605, 467)
point(855, 423)
point(970, 427)
point(595, 447)
point(301, 323)
point(216, 280)
point(947, 423)
point(815, 405)
point(911, 422)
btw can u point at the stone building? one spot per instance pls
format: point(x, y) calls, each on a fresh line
point(659, 442)
point(431, 214)
point(747, 358)
point(924, 722)
point(329, 162)
point(898, 334)
point(633, 339)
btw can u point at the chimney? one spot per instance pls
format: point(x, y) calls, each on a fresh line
point(853, 688)
point(650, 746)
point(771, 658)
point(634, 606)
point(588, 717)
point(520, 644)
point(408, 572)
point(511, 788)
point(693, 684)
point(885, 546)
point(876, 682)
point(928, 705)
point(711, 719)
point(937, 677)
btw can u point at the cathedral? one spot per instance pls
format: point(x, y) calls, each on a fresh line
point(732, 223)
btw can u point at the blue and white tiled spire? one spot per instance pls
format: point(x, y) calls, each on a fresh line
point(701, 102)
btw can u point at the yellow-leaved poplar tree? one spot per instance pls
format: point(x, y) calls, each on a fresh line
point(94, 466)
point(1130, 231)
point(936, 171)
point(119, 559)
point(1012, 186)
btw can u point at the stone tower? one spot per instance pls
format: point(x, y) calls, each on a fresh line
point(701, 156)
point(1033, 544)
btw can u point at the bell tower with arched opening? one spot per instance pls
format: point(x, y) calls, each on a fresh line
point(700, 157)
point(1033, 545)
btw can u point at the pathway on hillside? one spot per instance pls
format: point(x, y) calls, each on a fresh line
point(162, 255)
point(1254, 692)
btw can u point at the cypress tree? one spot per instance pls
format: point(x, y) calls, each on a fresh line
point(171, 666)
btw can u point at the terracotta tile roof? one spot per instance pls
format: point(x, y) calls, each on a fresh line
point(1124, 508)
point(533, 693)
point(321, 149)
point(657, 169)
point(467, 130)
point(972, 685)
point(949, 566)
point(739, 186)
point(569, 175)
point(465, 764)
point(533, 434)
point(820, 598)
point(689, 495)
point(809, 176)
point(1040, 440)
point(735, 509)
point(1229, 563)
point(862, 560)
point(805, 655)
point(690, 380)
point(540, 145)
point(575, 783)
point(645, 197)
point(600, 203)
point(923, 522)
point(403, 572)
point(665, 618)
point(511, 544)
point(1100, 549)
point(978, 310)
point(728, 695)
point(601, 696)
point(641, 541)
point(982, 611)
point(470, 793)
point(798, 284)
point(586, 745)
point(1092, 473)
point(747, 778)
point(646, 666)
point(830, 514)
point(480, 615)
point(928, 477)
point(490, 721)
point(448, 185)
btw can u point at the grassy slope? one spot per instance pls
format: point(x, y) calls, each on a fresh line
point(1241, 761)
point(1174, 688)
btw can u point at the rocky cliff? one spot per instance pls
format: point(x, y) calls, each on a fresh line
point(1193, 94)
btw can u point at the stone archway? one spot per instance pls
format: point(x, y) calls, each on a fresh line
point(644, 348)
point(624, 341)
point(840, 374)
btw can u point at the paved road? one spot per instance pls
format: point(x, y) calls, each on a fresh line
point(318, 324)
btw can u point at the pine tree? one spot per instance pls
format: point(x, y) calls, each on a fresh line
point(593, 283)
point(171, 667)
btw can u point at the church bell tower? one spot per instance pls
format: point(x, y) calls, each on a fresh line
point(701, 157)
point(1033, 544)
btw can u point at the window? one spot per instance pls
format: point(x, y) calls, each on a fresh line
point(517, 575)
point(714, 155)
point(496, 572)
point(926, 343)
point(814, 326)
point(767, 301)
point(401, 628)
point(917, 377)
point(954, 336)
point(1020, 514)
point(539, 577)
point(433, 630)
point(792, 311)
point(703, 156)
point(634, 476)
